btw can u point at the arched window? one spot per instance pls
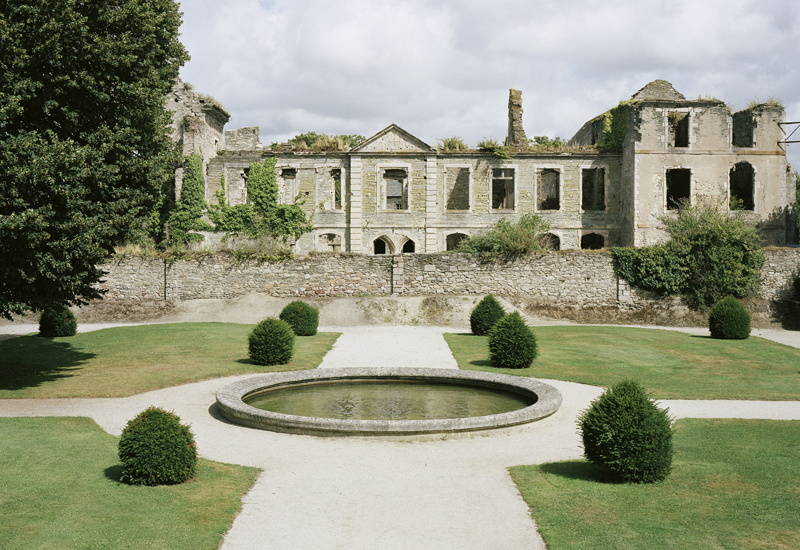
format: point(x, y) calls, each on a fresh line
point(551, 241)
point(592, 241)
point(454, 239)
point(408, 247)
point(382, 245)
point(742, 184)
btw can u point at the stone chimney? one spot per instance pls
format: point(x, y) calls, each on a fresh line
point(516, 134)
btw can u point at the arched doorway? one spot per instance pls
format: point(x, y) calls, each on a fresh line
point(382, 245)
point(454, 239)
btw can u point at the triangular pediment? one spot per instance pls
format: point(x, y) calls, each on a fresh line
point(393, 139)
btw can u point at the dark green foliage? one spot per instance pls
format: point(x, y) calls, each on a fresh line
point(189, 209)
point(302, 317)
point(485, 315)
point(711, 254)
point(57, 321)
point(625, 433)
point(729, 320)
point(262, 188)
point(156, 449)
point(271, 342)
point(512, 344)
point(84, 152)
point(508, 239)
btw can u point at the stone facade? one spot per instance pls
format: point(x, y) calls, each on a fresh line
point(396, 194)
point(581, 278)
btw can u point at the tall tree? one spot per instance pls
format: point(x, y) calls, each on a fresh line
point(84, 149)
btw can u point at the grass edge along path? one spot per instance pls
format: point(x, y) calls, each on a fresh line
point(670, 364)
point(124, 361)
point(61, 488)
point(734, 484)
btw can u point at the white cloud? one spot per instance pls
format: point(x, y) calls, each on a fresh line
point(441, 68)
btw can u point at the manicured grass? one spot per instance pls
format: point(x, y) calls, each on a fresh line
point(60, 489)
point(123, 361)
point(672, 365)
point(734, 484)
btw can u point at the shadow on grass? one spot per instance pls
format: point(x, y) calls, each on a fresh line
point(30, 361)
point(481, 363)
point(114, 473)
point(577, 469)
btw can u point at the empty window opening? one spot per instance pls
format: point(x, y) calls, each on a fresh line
point(330, 242)
point(743, 126)
point(396, 182)
point(289, 173)
point(289, 176)
point(592, 241)
point(382, 246)
point(548, 189)
point(679, 129)
point(551, 241)
point(742, 182)
point(454, 239)
point(593, 182)
point(503, 188)
point(457, 189)
point(678, 187)
point(408, 247)
point(336, 176)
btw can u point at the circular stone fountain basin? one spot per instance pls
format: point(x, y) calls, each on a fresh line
point(534, 400)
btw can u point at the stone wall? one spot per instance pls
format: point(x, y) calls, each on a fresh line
point(581, 278)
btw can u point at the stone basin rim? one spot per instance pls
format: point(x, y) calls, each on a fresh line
point(231, 405)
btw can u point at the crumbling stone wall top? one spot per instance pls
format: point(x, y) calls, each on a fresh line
point(516, 133)
point(243, 139)
point(658, 90)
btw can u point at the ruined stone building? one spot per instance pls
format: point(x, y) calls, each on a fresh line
point(621, 172)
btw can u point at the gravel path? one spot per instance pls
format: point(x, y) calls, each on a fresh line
point(364, 493)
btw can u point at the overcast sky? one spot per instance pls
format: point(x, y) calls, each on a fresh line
point(443, 68)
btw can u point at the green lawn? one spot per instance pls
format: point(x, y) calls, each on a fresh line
point(60, 489)
point(734, 484)
point(123, 361)
point(672, 365)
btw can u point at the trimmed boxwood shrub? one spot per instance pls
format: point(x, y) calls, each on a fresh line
point(156, 449)
point(729, 320)
point(485, 315)
point(302, 317)
point(57, 321)
point(271, 342)
point(626, 434)
point(512, 344)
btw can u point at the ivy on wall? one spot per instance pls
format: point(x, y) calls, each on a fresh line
point(615, 126)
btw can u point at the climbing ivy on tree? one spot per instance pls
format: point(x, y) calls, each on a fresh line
point(84, 152)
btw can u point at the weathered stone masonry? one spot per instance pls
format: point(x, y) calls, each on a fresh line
point(573, 277)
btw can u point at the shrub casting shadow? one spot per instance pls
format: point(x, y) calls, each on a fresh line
point(30, 361)
point(114, 473)
point(482, 363)
point(577, 469)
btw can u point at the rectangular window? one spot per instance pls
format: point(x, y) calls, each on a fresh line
point(336, 176)
point(679, 187)
point(679, 129)
point(548, 189)
point(742, 184)
point(396, 185)
point(457, 188)
point(593, 189)
point(503, 188)
point(290, 191)
point(743, 125)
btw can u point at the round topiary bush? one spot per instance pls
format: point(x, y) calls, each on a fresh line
point(302, 317)
point(485, 315)
point(57, 321)
point(626, 434)
point(156, 449)
point(512, 344)
point(271, 342)
point(729, 320)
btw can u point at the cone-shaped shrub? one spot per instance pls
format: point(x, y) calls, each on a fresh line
point(625, 433)
point(271, 342)
point(156, 449)
point(485, 315)
point(512, 344)
point(729, 320)
point(57, 321)
point(302, 317)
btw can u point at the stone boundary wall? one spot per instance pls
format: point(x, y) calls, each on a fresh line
point(583, 278)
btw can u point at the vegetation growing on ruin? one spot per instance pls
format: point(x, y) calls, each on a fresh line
point(490, 145)
point(453, 144)
point(615, 126)
point(312, 141)
point(186, 217)
point(769, 102)
point(508, 239)
point(544, 144)
point(710, 254)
